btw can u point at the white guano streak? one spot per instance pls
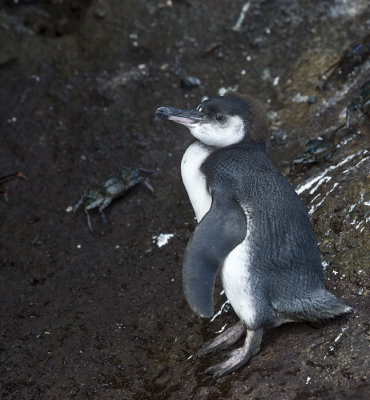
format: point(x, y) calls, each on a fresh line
point(310, 182)
point(315, 207)
point(240, 20)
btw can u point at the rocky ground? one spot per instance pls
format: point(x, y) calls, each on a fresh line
point(102, 316)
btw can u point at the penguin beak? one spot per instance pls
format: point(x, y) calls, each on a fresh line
point(184, 117)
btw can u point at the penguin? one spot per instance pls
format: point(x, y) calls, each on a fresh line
point(252, 227)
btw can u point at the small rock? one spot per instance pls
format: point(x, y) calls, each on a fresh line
point(280, 137)
point(312, 99)
point(99, 13)
point(259, 42)
point(190, 82)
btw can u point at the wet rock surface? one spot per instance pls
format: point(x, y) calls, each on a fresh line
point(103, 316)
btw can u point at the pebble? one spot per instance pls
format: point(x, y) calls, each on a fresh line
point(312, 99)
point(190, 82)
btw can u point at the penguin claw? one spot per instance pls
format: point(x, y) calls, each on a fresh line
point(238, 357)
point(223, 341)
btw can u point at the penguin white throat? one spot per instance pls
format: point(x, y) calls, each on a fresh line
point(230, 130)
point(211, 133)
point(194, 180)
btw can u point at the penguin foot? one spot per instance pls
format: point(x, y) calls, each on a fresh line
point(224, 340)
point(238, 357)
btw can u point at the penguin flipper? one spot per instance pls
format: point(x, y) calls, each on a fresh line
point(218, 233)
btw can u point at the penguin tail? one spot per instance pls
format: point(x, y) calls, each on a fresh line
point(327, 306)
point(320, 305)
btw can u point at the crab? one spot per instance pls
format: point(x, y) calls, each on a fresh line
point(111, 188)
point(354, 55)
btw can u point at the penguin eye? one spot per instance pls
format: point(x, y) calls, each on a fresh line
point(220, 117)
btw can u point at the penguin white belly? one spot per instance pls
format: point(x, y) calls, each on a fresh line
point(194, 180)
point(236, 280)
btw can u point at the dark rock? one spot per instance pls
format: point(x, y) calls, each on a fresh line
point(190, 82)
point(280, 137)
point(100, 13)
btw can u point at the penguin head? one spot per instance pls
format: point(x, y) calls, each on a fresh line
point(223, 121)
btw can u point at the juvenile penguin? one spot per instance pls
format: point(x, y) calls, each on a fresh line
point(251, 225)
